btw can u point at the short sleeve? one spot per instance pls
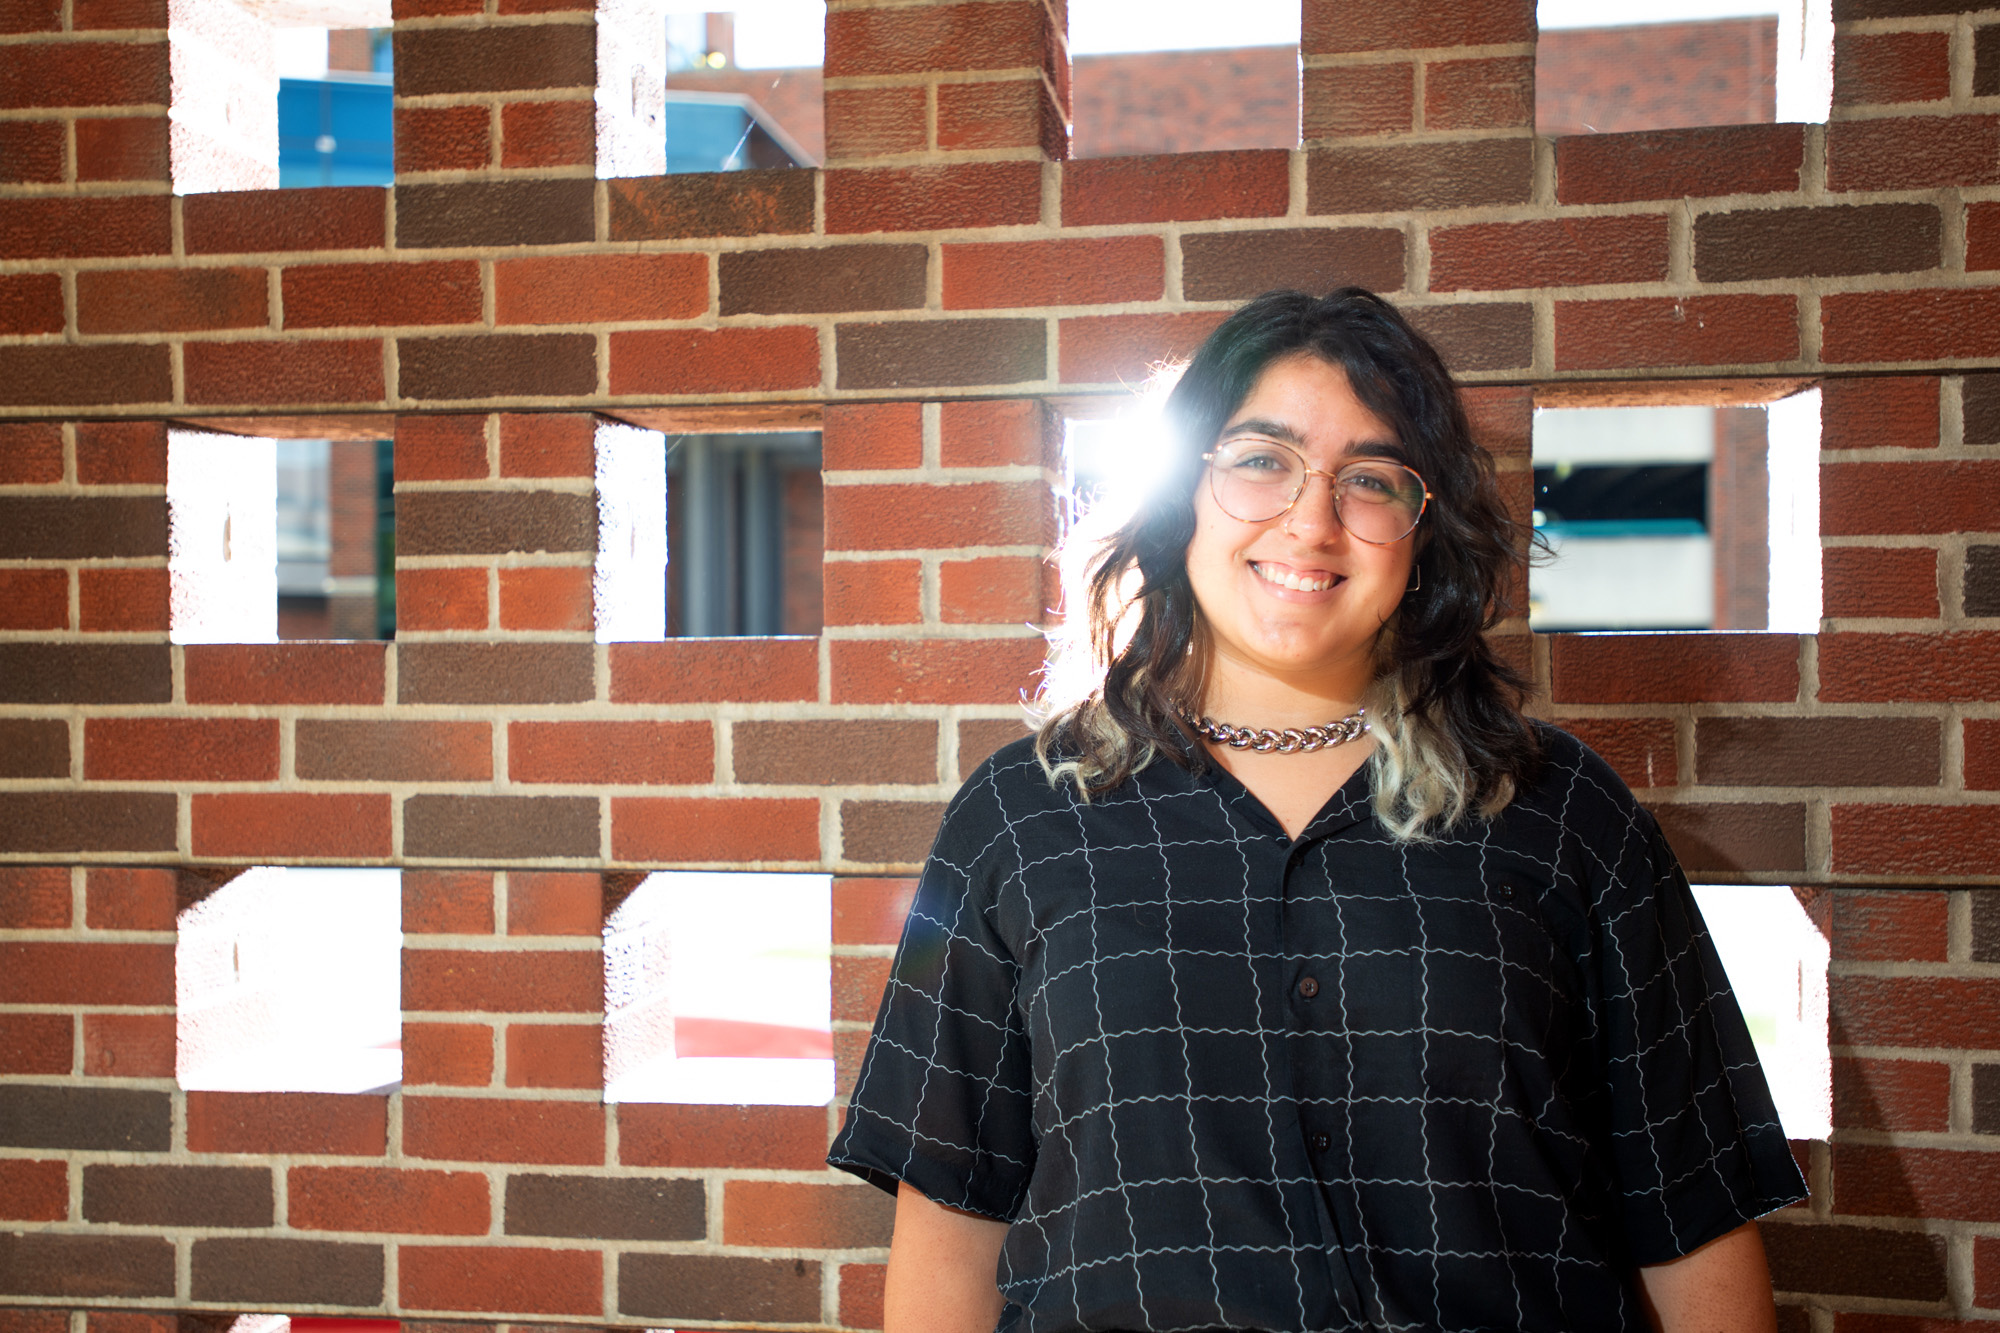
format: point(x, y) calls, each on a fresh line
point(1695, 1138)
point(943, 1097)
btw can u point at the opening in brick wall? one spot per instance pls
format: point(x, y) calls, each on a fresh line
point(1182, 76)
point(741, 87)
point(289, 979)
point(1776, 957)
point(1678, 517)
point(1668, 64)
point(292, 94)
point(279, 1323)
point(718, 988)
point(336, 125)
point(275, 539)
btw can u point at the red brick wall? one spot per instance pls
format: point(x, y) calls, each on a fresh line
point(929, 299)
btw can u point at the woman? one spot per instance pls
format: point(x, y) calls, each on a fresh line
point(1374, 1006)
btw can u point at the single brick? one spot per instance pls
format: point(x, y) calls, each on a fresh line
point(1879, 412)
point(555, 1055)
point(1982, 581)
point(522, 981)
point(685, 1137)
point(88, 227)
point(823, 280)
point(271, 1270)
point(46, 527)
point(31, 302)
point(128, 1045)
point(1982, 761)
point(288, 673)
point(281, 371)
point(710, 361)
point(443, 138)
point(1890, 926)
point(936, 38)
point(939, 671)
point(1929, 668)
point(1330, 28)
point(31, 452)
point(494, 59)
point(700, 829)
point(495, 522)
point(34, 599)
point(327, 750)
point(790, 1214)
point(547, 134)
point(548, 444)
point(853, 592)
point(178, 1196)
point(34, 747)
point(495, 213)
point(1917, 1182)
point(84, 1118)
point(1913, 840)
point(1867, 499)
point(1470, 174)
point(1561, 253)
point(1493, 93)
point(1018, 274)
point(932, 198)
point(1180, 187)
point(1829, 751)
point(38, 1263)
point(391, 1199)
point(447, 902)
point(1986, 1099)
point(500, 1279)
point(611, 752)
point(441, 448)
point(594, 1208)
point(171, 300)
point(291, 1123)
point(926, 353)
point(1753, 243)
point(858, 984)
point(483, 1130)
point(1891, 1094)
point(1236, 265)
point(857, 436)
point(870, 911)
point(111, 601)
point(94, 973)
point(1893, 67)
point(34, 1191)
point(980, 737)
point(1912, 153)
point(1733, 838)
point(1124, 349)
point(1856, 1261)
point(701, 1286)
point(495, 673)
point(871, 122)
point(704, 204)
point(87, 821)
point(118, 898)
point(213, 749)
point(1356, 101)
point(541, 902)
point(290, 824)
point(714, 671)
point(592, 289)
point(836, 753)
point(549, 365)
point(474, 827)
point(320, 296)
point(926, 516)
point(37, 1044)
point(861, 1294)
point(1001, 113)
point(1672, 164)
point(351, 217)
point(1677, 331)
point(888, 832)
point(96, 374)
point(447, 1054)
point(441, 599)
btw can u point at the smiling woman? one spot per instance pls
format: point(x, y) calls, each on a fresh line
point(1371, 1005)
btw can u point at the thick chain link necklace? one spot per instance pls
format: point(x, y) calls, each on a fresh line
point(1291, 740)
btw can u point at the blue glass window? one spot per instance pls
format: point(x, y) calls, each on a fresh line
point(335, 131)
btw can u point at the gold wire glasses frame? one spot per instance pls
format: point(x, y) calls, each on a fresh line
point(1375, 500)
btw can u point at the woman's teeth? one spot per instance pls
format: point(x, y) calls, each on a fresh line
point(1296, 582)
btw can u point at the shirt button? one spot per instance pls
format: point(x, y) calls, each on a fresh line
point(1507, 892)
point(1321, 1142)
point(1308, 987)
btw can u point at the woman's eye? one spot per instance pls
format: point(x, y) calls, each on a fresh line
point(1260, 460)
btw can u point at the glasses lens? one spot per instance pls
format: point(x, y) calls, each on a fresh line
point(1379, 502)
point(1255, 480)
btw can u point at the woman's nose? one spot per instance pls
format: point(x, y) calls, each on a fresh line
point(1312, 516)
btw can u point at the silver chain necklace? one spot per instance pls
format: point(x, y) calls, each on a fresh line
point(1291, 740)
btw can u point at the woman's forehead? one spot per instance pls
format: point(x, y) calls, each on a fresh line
point(1310, 404)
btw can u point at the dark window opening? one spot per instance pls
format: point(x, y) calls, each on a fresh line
point(745, 535)
point(336, 539)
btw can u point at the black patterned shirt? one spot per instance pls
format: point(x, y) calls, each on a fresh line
point(1217, 1078)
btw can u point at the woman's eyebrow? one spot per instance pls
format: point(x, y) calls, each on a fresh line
point(1270, 430)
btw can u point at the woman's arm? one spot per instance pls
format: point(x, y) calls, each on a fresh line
point(1723, 1287)
point(942, 1267)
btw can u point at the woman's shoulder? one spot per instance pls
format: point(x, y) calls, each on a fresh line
point(1576, 784)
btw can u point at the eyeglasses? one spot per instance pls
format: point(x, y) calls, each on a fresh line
point(1376, 500)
